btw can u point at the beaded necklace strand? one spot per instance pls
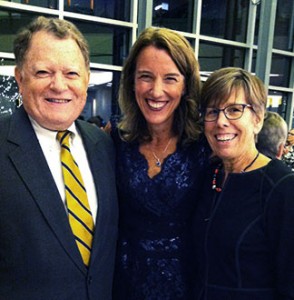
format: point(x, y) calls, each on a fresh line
point(218, 168)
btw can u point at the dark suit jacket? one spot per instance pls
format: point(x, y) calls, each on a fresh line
point(39, 258)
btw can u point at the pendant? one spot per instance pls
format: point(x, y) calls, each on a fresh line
point(157, 160)
point(158, 163)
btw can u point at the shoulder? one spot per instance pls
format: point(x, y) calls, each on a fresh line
point(16, 127)
point(277, 183)
point(277, 171)
point(119, 141)
point(93, 134)
point(4, 130)
point(17, 118)
point(4, 123)
point(200, 151)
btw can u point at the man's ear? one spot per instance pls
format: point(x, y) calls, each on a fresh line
point(280, 151)
point(18, 78)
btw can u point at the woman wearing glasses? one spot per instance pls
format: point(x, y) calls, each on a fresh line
point(244, 228)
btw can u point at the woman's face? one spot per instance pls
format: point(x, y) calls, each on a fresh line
point(159, 86)
point(233, 139)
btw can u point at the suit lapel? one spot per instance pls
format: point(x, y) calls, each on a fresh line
point(100, 167)
point(27, 156)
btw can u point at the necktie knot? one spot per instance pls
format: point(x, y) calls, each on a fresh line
point(63, 137)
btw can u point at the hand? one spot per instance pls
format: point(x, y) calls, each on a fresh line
point(107, 127)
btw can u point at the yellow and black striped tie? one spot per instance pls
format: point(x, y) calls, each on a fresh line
point(79, 213)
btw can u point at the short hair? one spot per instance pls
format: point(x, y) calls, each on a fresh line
point(97, 120)
point(133, 125)
point(222, 83)
point(59, 28)
point(273, 133)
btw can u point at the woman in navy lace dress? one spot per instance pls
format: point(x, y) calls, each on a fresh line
point(159, 160)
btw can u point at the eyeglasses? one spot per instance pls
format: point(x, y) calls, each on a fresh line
point(232, 112)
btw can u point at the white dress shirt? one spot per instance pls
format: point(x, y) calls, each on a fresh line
point(51, 150)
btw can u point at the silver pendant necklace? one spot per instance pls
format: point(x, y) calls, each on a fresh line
point(158, 163)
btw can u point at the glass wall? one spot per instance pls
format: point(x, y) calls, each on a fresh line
point(109, 44)
point(214, 56)
point(284, 31)
point(223, 33)
point(226, 19)
point(111, 9)
point(177, 15)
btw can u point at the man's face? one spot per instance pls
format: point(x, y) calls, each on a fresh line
point(53, 81)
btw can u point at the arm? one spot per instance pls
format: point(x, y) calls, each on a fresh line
point(280, 230)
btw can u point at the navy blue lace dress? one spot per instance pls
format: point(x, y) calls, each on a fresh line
point(154, 255)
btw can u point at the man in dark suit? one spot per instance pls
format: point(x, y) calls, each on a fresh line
point(39, 253)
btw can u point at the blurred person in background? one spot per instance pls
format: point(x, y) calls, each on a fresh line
point(288, 156)
point(271, 140)
point(98, 121)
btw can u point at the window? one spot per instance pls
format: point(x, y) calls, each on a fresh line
point(213, 57)
point(225, 19)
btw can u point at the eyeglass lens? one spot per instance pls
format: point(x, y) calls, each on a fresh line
point(232, 112)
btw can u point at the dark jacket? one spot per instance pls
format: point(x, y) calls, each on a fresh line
point(244, 236)
point(39, 258)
